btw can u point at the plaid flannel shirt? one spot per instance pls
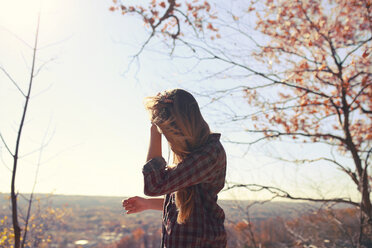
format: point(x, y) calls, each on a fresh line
point(205, 170)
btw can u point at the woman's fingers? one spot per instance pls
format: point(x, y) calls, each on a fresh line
point(129, 207)
point(124, 202)
point(130, 200)
point(132, 211)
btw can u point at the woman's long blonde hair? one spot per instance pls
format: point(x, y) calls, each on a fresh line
point(177, 114)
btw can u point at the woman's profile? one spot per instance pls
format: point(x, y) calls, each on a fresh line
point(191, 215)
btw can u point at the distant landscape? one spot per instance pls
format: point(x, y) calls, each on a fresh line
point(97, 221)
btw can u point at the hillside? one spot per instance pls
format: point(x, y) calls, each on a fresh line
point(98, 221)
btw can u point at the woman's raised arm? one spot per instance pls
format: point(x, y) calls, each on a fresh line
point(155, 143)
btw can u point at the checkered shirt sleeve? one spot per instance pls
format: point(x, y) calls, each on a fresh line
point(197, 168)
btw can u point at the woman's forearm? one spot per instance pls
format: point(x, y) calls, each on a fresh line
point(155, 203)
point(138, 204)
point(155, 144)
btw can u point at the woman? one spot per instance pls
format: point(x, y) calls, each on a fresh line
point(191, 215)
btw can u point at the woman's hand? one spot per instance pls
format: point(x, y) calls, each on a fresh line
point(135, 204)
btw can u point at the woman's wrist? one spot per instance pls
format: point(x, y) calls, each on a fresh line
point(154, 130)
point(155, 203)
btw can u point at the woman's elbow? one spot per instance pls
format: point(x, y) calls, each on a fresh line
point(152, 191)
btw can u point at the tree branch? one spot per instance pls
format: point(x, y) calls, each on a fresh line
point(6, 146)
point(42, 66)
point(16, 227)
point(278, 133)
point(12, 80)
point(343, 168)
point(42, 145)
point(283, 194)
point(356, 48)
point(359, 93)
point(366, 161)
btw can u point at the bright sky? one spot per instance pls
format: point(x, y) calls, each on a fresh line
point(92, 115)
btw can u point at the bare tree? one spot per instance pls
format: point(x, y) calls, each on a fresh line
point(14, 195)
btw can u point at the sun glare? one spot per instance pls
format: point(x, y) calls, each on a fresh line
point(20, 15)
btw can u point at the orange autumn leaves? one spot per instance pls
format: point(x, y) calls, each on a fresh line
point(317, 84)
point(166, 17)
point(323, 84)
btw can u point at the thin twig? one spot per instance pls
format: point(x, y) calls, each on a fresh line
point(6, 146)
point(12, 80)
